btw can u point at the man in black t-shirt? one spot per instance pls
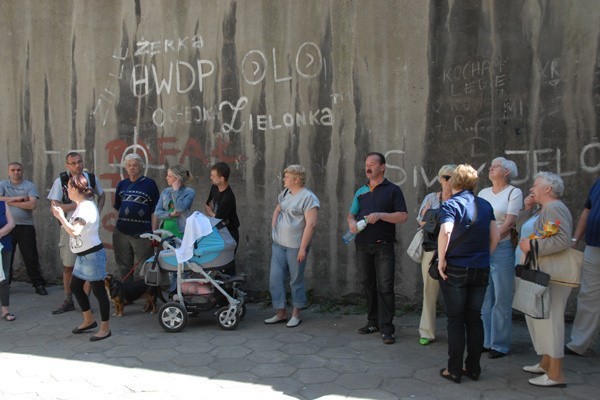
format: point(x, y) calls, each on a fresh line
point(221, 204)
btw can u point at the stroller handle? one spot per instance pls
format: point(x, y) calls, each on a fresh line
point(163, 237)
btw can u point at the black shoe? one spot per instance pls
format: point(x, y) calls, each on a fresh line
point(449, 376)
point(496, 354)
point(473, 376)
point(41, 290)
point(97, 338)
point(571, 352)
point(368, 329)
point(77, 331)
point(388, 338)
point(485, 350)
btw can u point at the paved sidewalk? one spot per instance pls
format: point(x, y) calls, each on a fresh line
point(322, 358)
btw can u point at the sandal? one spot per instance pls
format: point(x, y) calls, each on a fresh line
point(8, 317)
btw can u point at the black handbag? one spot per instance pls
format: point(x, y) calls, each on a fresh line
point(433, 265)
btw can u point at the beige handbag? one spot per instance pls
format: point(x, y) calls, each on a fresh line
point(415, 249)
point(564, 267)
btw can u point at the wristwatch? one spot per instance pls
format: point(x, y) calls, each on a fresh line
point(573, 239)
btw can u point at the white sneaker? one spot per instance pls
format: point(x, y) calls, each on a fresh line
point(544, 381)
point(534, 369)
point(294, 322)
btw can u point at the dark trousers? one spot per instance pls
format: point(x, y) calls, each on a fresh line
point(24, 237)
point(83, 300)
point(463, 293)
point(376, 265)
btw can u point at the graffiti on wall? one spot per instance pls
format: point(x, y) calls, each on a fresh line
point(179, 76)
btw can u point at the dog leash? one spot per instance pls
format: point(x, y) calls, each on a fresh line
point(132, 269)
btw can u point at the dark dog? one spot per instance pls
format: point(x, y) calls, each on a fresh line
point(124, 293)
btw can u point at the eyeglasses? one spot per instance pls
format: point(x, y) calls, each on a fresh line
point(446, 177)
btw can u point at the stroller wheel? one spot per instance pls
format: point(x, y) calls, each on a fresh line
point(172, 317)
point(228, 321)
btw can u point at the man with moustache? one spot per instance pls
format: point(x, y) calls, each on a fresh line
point(382, 205)
point(58, 197)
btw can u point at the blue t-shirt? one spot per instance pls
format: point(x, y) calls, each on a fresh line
point(474, 250)
point(592, 228)
point(385, 197)
point(135, 202)
point(6, 240)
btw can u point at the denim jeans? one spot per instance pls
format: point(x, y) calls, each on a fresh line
point(463, 293)
point(376, 265)
point(284, 265)
point(496, 311)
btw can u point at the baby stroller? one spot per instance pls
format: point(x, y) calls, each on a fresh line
point(201, 285)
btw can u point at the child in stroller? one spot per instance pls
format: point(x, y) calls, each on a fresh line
point(206, 247)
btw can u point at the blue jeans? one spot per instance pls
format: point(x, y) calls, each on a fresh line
point(496, 311)
point(376, 265)
point(284, 265)
point(463, 293)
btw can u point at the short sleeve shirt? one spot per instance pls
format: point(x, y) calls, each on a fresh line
point(385, 197)
point(25, 188)
point(291, 222)
point(508, 202)
point(87, 213)
point(474, 249)
point(56, 192)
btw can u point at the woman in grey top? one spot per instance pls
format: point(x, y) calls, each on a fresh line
point(548, 335)
point(293, 223)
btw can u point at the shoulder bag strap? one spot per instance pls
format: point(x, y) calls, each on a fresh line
point(459, 239)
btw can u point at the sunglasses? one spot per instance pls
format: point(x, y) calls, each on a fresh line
point(446, 177)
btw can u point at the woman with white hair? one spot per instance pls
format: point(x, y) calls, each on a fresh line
point(496, 312)
point(548, 335)
point(293, 223)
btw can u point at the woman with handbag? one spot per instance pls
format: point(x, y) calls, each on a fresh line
point(547, 335)
point(496, 311)
point(431, 287)
point(468, 234)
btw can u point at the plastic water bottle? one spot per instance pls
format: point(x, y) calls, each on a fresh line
point(349, 235)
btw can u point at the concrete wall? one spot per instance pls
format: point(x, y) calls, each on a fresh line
point(264, 84)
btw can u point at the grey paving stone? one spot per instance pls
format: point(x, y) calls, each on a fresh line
point(266, 356)
point(315, 375)
point(263, 344)
point(233, 365)
point(273, 370)
point(230, 352)
point(359, 381)
point(323, 358)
